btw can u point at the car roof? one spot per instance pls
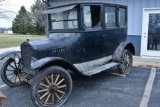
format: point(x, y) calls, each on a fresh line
point(83, 2)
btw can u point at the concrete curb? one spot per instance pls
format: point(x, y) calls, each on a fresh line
point(146, 62)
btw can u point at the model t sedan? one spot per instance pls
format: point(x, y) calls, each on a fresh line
point(85, 38)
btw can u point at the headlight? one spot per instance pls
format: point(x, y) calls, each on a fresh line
point(16, 58)
point(32, 60)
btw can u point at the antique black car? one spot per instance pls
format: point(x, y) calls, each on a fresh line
point(86, 38)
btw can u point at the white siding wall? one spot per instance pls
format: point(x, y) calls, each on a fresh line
point(135, 9)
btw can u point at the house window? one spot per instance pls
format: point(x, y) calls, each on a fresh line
point(110, 17)
point(122, 17)
point(92, 17)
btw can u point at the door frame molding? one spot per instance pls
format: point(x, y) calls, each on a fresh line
point(144, 37)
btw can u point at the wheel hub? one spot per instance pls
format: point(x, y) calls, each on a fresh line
point(126, 62)
point(53, 88)
point(16, 71)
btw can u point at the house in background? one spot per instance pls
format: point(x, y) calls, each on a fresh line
point(6, 30)
point(143, 23)
point(2, 30)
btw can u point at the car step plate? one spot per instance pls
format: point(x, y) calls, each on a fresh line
point(100, 69)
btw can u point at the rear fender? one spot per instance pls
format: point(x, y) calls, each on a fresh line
point(51, 61)
point(124, 45)
point(10, 54)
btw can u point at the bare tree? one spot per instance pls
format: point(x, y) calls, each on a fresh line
point(4, 12)
point(38, 18)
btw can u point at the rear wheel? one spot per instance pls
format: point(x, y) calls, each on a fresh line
point(126, 62)
point(51, 87)
point(11, 73)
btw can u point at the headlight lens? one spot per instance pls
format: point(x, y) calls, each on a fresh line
point(16, 58)
point(32, 60)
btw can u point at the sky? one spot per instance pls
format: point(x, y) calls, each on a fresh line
point(13, 5)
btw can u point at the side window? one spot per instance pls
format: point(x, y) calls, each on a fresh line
point(92, 17)
point(122, 17)
point(110, 17)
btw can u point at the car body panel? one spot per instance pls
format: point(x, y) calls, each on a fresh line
point(92, 45)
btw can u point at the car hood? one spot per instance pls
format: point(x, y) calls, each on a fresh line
point(55, 40)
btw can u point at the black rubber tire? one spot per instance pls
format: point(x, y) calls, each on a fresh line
point(39, 78)
point(4, 75)
point(127, 64)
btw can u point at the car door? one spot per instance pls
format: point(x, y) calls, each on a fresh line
point(93, 32)
point(111, 30)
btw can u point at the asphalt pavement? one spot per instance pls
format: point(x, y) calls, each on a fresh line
point(101, 90)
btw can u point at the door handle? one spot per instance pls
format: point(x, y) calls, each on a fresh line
point(105, 35)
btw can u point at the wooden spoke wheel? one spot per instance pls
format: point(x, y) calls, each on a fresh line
point(126, 62)
point(11, 73)
point(51, 87)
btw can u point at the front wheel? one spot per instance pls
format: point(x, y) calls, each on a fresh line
point(11, 73)
point(126, 62)
point(51, 87)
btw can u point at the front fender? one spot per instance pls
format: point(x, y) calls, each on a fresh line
point(39, 63)
point(50, 61)
point(10, 54)
point(118, 53)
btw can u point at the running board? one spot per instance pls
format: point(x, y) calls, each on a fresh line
point(100, 69)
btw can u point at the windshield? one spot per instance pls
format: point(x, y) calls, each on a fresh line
point(65, 20)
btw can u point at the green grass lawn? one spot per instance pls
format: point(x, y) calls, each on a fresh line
point(12, 40)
